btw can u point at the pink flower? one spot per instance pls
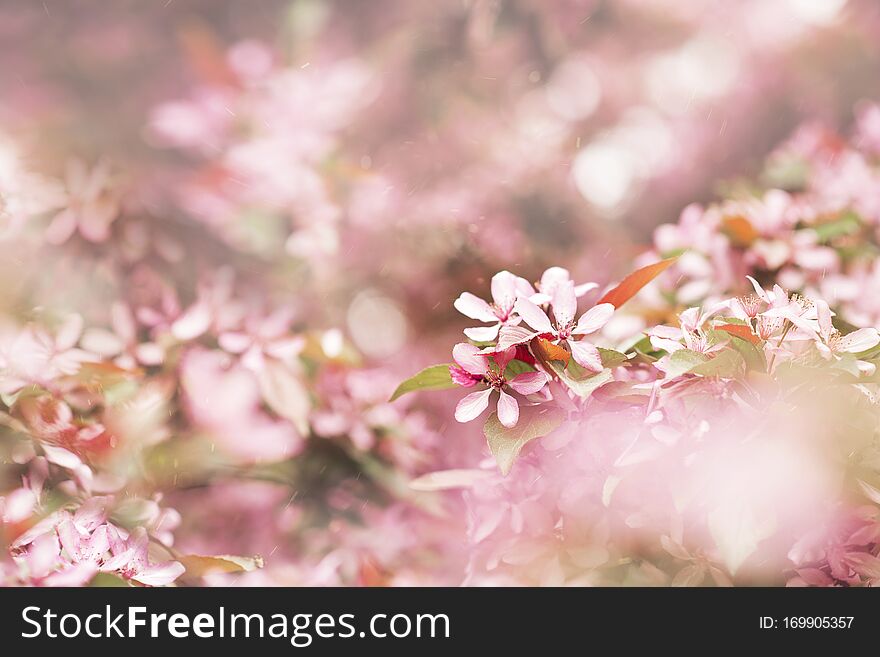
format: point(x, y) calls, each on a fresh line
point(563, 327)
point(91, 206)
point(32, 356)
point(506, 288)
point(830, 342)
point(120, 342)
point(669, 339)
point(263, 337)
point(551, 279)
point(131, 561)
point(473, 367)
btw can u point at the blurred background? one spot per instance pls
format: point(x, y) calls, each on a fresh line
point(202, 180)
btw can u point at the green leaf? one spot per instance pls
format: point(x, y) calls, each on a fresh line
point(517, 367)
point(435, 377)
point(107, 580)
point(644, 348)
point(727, 364)
point(506, 444)
point(611, 358)
point(753, 357)
point(579, 380)
point(683, 361)
point(848, 224)
point(848, 363)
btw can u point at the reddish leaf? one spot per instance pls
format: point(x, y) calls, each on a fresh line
point(630, 285)
point(371, 574)
point(739, 230)
point(741, 331)
point(546, 350)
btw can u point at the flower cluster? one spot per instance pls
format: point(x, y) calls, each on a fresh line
point(731, 440)
point(719, 449)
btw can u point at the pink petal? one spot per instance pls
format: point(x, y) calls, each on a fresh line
point(61, 456)
point(160, 574)
point(564, 303)
point(482, 333)
point(286, 348)
point(459, 376)
point(760, 291)
point(472, 405)
point(503, 357)
point(78, 574)
point(594, 319)
point(513, 335)
point(533, 316)
point(860, 340)
point(234, 342)
point(508, 410)
point(70, 538)
point(824, 314)
point(470, 305)
point(586, 355)
point(470, 359)
point(528, 383)
point(192, 323)
point(150, 353)
point(102, 342)
point(553, 277)
point(504, 289)
point(95, 220)
point(69, 333)
point(18, 506)
point(123, 323)
point(581, 290)
point(61, 228)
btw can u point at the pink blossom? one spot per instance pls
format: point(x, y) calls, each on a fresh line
point(831, 343)
point(506, 288)
point(563, 327)
point(472, 367)
point(91, 205)
point(34, 356)
point(553, 278)
point(131, 561)
point(121, 343)
point(261, 338)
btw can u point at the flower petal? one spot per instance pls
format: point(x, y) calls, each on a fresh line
point(533, 316)
point(472, 405)
point(482, 333)
point(508, 410)
point(564, 303)
point(506, 287)
point(503, 357)
point(583, 288)
point(193, 322)
point(857, 341)
point(470, 305)
point(513, 335)
point(61, 228)
point(594, 319)
point(528, 383)
point(586, 355)
point(160, 574)
point(470, 359)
